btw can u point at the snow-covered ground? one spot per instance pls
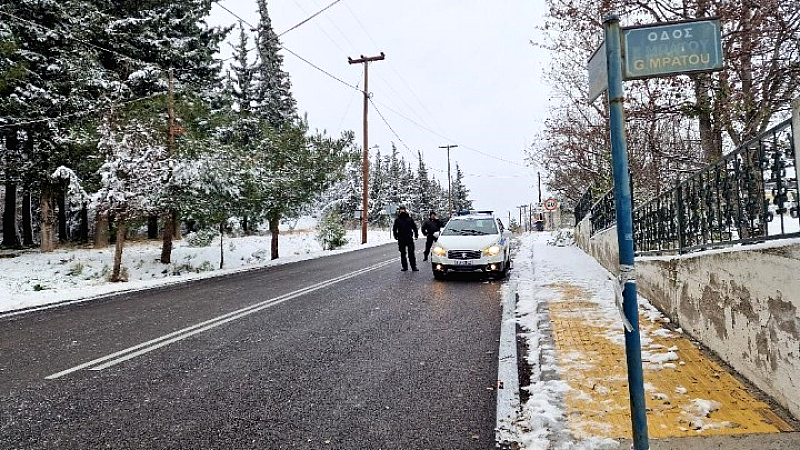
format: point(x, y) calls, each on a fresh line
point(35, 279)
point(537, 267)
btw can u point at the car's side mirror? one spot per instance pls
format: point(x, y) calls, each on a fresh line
point(436, 234)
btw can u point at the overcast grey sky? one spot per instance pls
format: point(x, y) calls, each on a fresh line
point(456, 72)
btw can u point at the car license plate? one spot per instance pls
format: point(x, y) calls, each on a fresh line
point(464, 263)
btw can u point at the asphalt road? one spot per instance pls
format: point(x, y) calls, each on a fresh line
point(342, 352)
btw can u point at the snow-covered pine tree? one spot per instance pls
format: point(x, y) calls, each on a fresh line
point(131, 177)
point(248, 125)
point(378, 190)
point(440, 197)
point(394, 179)
point(208, 198)
point(424, 193)
point(163, 36)
point(300, 166)
point(345, 195)
point(294, 166)
point(461, 201)
point(407, 189)
point(242, 74)
point(61, 77)
point(273, 97)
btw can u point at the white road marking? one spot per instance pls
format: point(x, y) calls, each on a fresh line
point(154, 344)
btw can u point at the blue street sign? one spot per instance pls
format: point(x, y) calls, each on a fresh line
point(673, 48)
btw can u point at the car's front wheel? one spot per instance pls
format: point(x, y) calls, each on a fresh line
point(439, 275)
point(506, 267)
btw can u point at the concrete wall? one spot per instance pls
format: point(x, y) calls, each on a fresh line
point(743, 304)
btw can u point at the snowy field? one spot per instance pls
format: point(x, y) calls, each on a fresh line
point(35, 279)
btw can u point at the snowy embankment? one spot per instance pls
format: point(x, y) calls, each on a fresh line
point(34, 279)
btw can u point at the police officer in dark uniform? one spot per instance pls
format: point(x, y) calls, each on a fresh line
point(405, 231)
point(429, 227)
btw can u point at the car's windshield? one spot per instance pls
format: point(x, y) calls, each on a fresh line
point(470, 227)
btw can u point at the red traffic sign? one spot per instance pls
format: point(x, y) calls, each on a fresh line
point(550, 204)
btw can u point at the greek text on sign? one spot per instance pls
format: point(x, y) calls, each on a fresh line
point(657, 50)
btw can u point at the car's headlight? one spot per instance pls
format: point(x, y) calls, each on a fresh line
point(493, 250)
point(438, 250)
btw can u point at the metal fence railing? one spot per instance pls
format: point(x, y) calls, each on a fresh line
point(750, 195)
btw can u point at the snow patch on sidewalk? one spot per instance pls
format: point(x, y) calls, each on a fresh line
point(539, 269)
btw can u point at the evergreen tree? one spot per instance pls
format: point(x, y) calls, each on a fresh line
point(424, 191)
point(345, 195)
point(273, 98)
point(130, 177)
point(377, 189)
point(407, 188)
point(208, 198)
point(440, 196)
point(61, 77)
point(162, 35)
point(301, 166)
point(460, 193)
point(241, 89)
point(170, 44)
point(394, 178)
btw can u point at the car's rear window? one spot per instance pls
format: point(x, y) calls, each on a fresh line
point(470, 227)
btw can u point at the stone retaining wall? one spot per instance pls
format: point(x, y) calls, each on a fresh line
point(742, 303)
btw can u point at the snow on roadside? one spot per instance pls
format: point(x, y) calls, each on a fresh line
point(34, 279)
point(538, 266)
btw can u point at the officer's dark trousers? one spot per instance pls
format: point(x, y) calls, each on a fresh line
point(428, 244)
point(406, 245)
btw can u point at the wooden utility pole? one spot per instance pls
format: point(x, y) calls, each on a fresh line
point(539, 176)
point(169, 220)
point(449, 183)
point(365, 163)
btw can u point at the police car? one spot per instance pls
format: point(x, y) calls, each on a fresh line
point(472, 241)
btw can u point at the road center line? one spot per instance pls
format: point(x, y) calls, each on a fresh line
point(145, 347)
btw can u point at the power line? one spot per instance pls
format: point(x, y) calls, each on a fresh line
point(390, 127)
point(333, 41)
point(310, 18)
point(339, 30)
point(391, 66)
point(489, 155)
point(321, 69)
point(296, 26)
point(434, 169)
point(349, 104)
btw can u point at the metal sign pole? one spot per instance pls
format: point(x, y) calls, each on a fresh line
point(622, 195)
